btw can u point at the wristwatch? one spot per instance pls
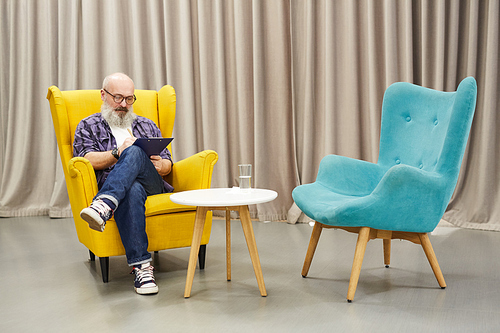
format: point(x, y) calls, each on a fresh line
point(114, 152)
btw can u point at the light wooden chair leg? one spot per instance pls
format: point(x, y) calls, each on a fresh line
point(313, 243)
point(431, 256)
point(359, 254)
point(387, 252)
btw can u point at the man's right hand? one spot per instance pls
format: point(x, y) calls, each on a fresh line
point(127, 143)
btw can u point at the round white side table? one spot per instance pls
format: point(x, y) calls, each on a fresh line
point(224, 199)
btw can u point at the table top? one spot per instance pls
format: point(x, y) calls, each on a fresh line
point(221, 197)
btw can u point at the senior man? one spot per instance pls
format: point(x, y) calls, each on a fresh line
point(125, 174)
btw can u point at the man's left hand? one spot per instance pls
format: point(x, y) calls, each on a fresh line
point(156, 160)
point(162, 166)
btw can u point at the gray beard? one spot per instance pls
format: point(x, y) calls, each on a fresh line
point(113, 119)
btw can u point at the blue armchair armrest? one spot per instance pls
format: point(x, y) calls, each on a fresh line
point(349, 176)
point(391, 206)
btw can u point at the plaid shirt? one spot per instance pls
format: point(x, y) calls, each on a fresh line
point(93, 134)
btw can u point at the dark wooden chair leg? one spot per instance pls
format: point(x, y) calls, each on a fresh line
point(104, 268)
point(92, 256)
point(201, 256)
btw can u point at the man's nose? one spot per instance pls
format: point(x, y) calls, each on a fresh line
point(123, 103)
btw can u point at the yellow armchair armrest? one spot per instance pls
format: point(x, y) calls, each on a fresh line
point(82, 185)
point(194, 172)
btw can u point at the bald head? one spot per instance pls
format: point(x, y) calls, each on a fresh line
point(116, 78)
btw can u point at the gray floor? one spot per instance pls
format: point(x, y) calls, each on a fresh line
point(48, 284)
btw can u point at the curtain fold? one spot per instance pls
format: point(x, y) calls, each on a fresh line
point(279, 84)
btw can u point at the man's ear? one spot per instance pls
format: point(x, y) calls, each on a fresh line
point(103, 95)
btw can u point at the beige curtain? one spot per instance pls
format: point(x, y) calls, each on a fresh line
point(277, 83)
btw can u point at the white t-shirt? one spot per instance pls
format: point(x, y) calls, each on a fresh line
point(120, 134)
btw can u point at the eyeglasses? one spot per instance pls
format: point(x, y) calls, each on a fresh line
point(119, 98)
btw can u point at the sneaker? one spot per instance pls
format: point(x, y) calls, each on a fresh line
point(144, 280)
point(97, 214)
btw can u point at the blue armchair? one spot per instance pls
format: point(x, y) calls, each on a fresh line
point(423, 138)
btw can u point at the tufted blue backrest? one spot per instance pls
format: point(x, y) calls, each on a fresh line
point(426, 128)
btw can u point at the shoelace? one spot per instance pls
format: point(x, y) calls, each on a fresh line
point(101, 208)
point(144, 275)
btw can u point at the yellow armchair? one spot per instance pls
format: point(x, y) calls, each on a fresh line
point(168, 224)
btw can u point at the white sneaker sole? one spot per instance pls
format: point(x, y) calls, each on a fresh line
point(146, 290)
point(93, 219)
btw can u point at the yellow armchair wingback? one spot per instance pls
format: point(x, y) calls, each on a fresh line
point(168, 224)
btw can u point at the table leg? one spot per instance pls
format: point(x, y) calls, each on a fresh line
point(199, 223)
point(246, 223)
point(228, 244)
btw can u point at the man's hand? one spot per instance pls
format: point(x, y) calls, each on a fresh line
point(162, 166)
point(156, 160)
point(127, 143)
point(101, 160)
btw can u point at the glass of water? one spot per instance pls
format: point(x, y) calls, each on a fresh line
point(245, 176)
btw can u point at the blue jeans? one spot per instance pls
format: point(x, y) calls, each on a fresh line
point(133, 178)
